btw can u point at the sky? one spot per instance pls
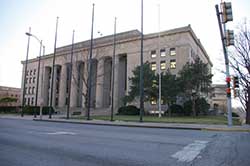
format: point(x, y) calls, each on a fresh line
point(16, 16)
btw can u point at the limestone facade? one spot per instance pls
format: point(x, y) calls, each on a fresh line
point(176, 46)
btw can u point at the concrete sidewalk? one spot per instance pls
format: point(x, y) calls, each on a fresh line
point(206, 127)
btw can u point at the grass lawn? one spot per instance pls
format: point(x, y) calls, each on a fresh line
point(165, 119)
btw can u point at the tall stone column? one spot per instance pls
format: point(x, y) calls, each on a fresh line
point(84, 83)
point(46, 85)
point(54, 86)
point(62, 90)
point(116, 84)
point(74, 80)
point(100, 83)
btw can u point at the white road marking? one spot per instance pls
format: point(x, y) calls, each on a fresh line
point(189, 152)
point(61, 133)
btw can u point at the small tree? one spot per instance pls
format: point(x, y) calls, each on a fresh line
point(170, 88)
point(150, 80)
point(194, 79)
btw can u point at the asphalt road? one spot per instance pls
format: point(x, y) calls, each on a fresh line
point(30, 143)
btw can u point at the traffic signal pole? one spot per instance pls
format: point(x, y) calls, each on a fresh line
point(228, 79)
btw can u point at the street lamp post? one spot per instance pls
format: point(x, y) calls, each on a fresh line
point(38, 67)
point(25, 72)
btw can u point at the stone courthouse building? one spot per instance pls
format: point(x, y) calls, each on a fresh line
point(169, 49)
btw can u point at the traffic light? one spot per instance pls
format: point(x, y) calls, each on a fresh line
point(236, 82)
point(228, 90)
point(229, 37)
point(227, 13)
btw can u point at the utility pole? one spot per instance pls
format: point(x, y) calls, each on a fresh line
point(227, 40)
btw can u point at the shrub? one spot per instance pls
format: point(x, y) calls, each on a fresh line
point(128, 110)
point(175, 109)
point(187, 108)
point(234, 114)
point(201, 106)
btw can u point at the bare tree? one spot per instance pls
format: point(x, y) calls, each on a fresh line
point(240, 62)
point(84, 76)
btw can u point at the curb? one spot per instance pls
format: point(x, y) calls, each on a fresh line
point(226, 129)
point(120, 125)
point(148, 126)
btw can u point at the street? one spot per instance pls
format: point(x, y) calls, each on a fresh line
point(34, 143)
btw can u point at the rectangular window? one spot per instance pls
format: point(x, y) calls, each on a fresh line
point(34, 72)
point(172, 64)
point(34, 79)
point(32, 101)
point(153, 66)
point(172, 51)
point(163, 65)
point(153, 101)
point(30, 72)
point(163, 52)
point(30, 79)
point(153, 54)
point(33, 90)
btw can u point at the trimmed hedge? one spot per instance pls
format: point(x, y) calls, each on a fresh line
point(9, 109)
point(30, 110)
point(128, 110)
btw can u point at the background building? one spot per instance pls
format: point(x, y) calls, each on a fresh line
point(165, 50)
point(11, 93)
point(219, 98)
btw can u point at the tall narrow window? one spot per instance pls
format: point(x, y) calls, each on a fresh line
point(28, 101)
point(153, 66)
point(172, 51)
point(153, 101)
point(163, 65)
point(153, 54)
point(163, 52)
point(172, 64)
point(32, 100)
point(33, 90)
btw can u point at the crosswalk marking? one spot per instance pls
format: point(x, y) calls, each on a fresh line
point(61, 133)
point(189, 152)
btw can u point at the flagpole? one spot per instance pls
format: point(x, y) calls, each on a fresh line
point(113, 74)
point(141, 70)
point(90, 66)
point(52, 74)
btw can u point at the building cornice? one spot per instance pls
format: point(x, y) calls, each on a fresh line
point(129, 36)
